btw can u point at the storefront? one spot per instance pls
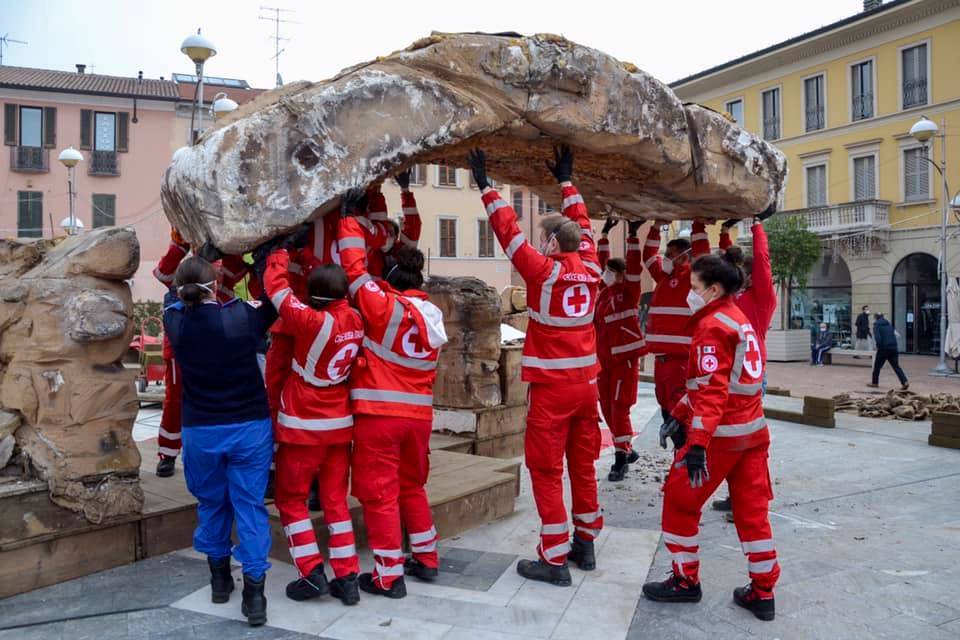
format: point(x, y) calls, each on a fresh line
point(826, 298)
point(916, 304)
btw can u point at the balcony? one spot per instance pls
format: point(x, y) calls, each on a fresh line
point(914, 93)
point(29, 159)
point(862, 107)
point(103, 163)
point(815, 118)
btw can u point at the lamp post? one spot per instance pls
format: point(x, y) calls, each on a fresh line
point(923, 131)
point(222, 105)
point(199, 50)
point(69, 158)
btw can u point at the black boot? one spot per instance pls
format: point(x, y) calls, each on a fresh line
point(166, 466)
point(413, 567)
point(555, 574)
point(311, 586)
point(633, 456)
point(582, 554)
point(347, 589)
point(760, 605)
point(254, 605)
point(221, 580)
point(396, 591)
point(673, 589)
point(313, 501)
point(619, 468)
point(722, 505)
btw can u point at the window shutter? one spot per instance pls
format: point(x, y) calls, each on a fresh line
point(104, 210)
point(10, 124)
point(49, 127)
point(86, 128)
point(123, 128)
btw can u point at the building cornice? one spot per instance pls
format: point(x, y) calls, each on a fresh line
point(86, 99)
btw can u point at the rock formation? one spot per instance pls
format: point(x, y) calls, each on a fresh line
point(288, 155)
point(65, 324)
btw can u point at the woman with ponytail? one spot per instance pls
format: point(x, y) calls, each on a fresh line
point(227, 435)
point(719, 432)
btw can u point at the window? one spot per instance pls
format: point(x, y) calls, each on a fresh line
point(861, 79)
point(31, 127)
point(484, 238)
point(448, 237)
point(814, 103)
point(446, 176)
point(916, 175)
point(914, 76)
point(30, 214)
point(771, 114)
point(418, 174)
point(864, 178)
point(518, 203)
point(104, 210)
point(473, 183)
point(735, 109)
point(542, 207)
point(105, 128)
point(816, 185)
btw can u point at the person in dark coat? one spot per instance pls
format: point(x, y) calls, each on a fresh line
point(887, 351)
point(822, 342)
point(862, 327)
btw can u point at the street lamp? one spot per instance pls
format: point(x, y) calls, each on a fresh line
point(222, 105)
point(199, 50)
point(69, 158)
point(924, 131)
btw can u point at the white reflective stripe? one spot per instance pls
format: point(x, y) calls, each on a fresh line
point(423, 536)
point(652, 243)
point(346, 551)
point(169, 435)
point(366, 224)
point(757, 546)
point(407, 241)
point(554, 529)
point(403, 361)
point(167, 451)
point(344, 526)
point(300, 526)
point(764, 566)
point(699, 236)
point(671, 311)
point(380, 395)
point(629, 313)
point(496, 205)
point(696, 423)
point(546, 295)
point(631, 346)
point(278, 298)
point(744, 429)
point(318, 238)
point(685, 541)
point(683, 557)
point(559, 550)
point(727, 320)
point(586, 233)
point(389, 553)
point(742, 389)
point(297, 368)
point(314, 424)
point(593, 266)
point(558, 363)
point(655, 337)
point(424, 548)
point(616, 394)
point(359, 282)
point(319, 343)
point(569, 201)
point(560, 322)
point(623, 439)
point(352, 243)
point(633, 278)
point(633, 243)
point(378, 215)
point(302, 550)
point(382, 570)
point(587, 530)
point(162, 277)
point(587, 518)
point(695, 383)
point(515, 244)
point(393, 325)
point(410, 211)
point(649, 261)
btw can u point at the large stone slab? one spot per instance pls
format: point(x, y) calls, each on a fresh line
point(288, 155)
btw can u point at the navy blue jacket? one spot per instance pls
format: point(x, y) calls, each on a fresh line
point(216, 348)
point(884, 335)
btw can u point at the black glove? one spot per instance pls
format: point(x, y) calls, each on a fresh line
point(772, 209)
point(609, 224)
point(674, 430)
point(730, 224)
point(403, 179)
point(478, 165)
point(260, 255)
point(696, 462)
point(209, 252)
point(353, 202)
point(562, 167)
point(298, 239)
point(633, 226)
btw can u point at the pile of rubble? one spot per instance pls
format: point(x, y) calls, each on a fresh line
point(902, 405)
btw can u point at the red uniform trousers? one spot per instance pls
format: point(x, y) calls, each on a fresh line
point(562, 421)
point(670, 379)
point(278, 368)
point(748, 476)
point(296, 467)
point(168, 441)
point(391, 463)
point(617, 384)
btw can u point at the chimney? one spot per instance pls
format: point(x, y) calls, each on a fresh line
point(870, 5)
point(81, 68)
point(139, 76)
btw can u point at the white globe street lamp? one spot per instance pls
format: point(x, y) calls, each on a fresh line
point(222, 105)
point(199, 50)
point(70, 158)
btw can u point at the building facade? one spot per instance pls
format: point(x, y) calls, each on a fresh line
point(840, 102)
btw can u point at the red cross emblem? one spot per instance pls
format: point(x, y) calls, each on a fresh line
point(341, 362)
point(412, 346)
point(576, 300)
point(752, 361)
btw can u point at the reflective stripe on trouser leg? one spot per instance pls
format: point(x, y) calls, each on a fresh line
point(762, 562)
point(684, 553)
point(750, 493)
point(295, 469)
point(583, 448)
point(169, 437)
point(414, 506)
point(332, 484)
point(424, 542)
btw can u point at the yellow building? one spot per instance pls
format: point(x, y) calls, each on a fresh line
point(840, 102)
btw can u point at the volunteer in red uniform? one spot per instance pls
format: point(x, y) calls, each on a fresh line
point(393, 236)
point(620, 343)
point(560, 363)
point(391, 387)
point(314, 425)
point(668, 337)
point(719, 432)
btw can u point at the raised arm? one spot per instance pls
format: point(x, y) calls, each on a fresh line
point(761, 274)
point(699, 240)
point(651, 252)
point(167, 265)
point(725, 241)
point(280, 291)
point(573, 206)
point(634, 276)
point(410, 233)
point(374, 303)
point(603, 246)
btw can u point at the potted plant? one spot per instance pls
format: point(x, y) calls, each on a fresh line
point(794, 250)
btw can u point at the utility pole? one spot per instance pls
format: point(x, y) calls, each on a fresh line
point(276, 18)
point(6, 41)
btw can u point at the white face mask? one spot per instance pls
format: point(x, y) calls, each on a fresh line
point(388, 245)
point(695, 301)
point(609, 278)
point(547, 248)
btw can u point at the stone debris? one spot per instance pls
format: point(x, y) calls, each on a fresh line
point(287, 156)
point(902, 405)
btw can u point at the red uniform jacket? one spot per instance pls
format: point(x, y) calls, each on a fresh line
point(759, 302)
point(322, 247)
point(617, 317)
point(667, 331)
point(409, 233)
point(722, 407)
point(561, 344)
point(164, 272)
point(401, 345)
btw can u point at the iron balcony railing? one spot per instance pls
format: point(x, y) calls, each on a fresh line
point(30, 159)
point(847, 217)
point(103, 163)
point(771, 128)
point(914, 93)
point(815, 118)
point(862, 106)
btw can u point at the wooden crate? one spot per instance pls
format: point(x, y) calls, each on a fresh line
point(512, 389)
point(480, 424)
point(935, 440)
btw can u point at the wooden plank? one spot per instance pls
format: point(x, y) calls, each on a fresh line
point(943, 441)
point(944, 418)
point(447, 442)
point(506, 446)
point(456, 516)
point(481, 424)
point(512, 389)
point(819, 407)
point(946, 430)
point(166, 532)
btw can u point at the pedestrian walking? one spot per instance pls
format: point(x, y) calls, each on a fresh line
point(887, 351)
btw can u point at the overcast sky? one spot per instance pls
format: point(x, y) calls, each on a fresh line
point(669, 39)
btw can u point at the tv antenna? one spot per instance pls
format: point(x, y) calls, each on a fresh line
point(277, 19)
point(6, 41)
